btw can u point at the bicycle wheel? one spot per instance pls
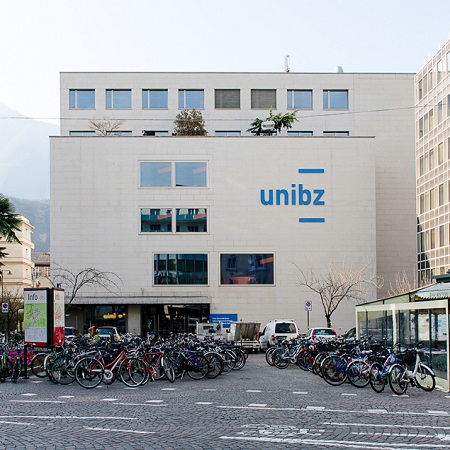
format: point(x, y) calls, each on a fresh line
point(358, 373)
point(398, 379)
point(280, 358)
point(316, 369)
point(241, 358)
point(63, 370)
point(334, 370)
point(216, 364)
point(198, 369)
point(89, 372)
point(229, 359)
point(169, 371)
point(37, 365)
point(3, 371)
point(377, 378)
point(132, 372)
point(269, 355)
point(15, 370)
point(425, 378)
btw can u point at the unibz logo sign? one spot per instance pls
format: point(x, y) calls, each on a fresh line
point(297, 195)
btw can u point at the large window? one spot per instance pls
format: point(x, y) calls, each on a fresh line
point(190, 173)
point(247, 268)
point(264, 99)
point(82, 98)
point(299, 99)
point(191, 98)
point(156, 174)
point(227, 99)
point(118, 98)
point(162, 220)
point(336, 133)
point(154, 99)
point(335, 99)
point(180, 269)
point(170, 174)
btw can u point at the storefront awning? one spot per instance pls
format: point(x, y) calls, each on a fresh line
point(436, 291)
point(119, 300)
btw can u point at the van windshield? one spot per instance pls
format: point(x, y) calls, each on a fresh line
point(285, 328)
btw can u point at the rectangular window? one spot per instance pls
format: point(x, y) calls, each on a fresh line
point(119, 133)
point(421, 166)
point(420, 89)
point(155, 133)
point(82, 99)
point(180, 269)
point(227, 98)
point(420, 129)
point(431, 117)
point(440, 112)
point(439, 71)
point(190, 174)
point(191, 220)
point(426, 124)
point(335, 99)
point(441, 195)
point(190, 98)
point(299, 133)
point(247, 268)
point(156, 220)
point(448, 105)
point(422, 204)
point(425, 84)
point(441, 153)
point(118, 98)
point(336, 133)
point(82, 133)
point(264, 99)
point(156, 174)
point(432, 199)
point(227, 133)
point(432, 159)
point(299, 99)
point(154, 98)
point(432, 238)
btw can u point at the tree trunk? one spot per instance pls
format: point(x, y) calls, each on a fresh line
point(328, 317)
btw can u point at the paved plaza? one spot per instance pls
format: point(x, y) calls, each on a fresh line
point(256, 407)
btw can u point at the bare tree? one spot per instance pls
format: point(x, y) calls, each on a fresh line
point(72, 282)
point(402, 284)
point(340, 283)
point(105, 127)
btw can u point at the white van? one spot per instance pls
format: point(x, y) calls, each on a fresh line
point(277, 329)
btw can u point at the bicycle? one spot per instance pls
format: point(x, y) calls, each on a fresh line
point(421, 376)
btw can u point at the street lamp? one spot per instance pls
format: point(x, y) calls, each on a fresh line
point(2, 273)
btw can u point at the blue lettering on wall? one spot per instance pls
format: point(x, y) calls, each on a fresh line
point(298, 194)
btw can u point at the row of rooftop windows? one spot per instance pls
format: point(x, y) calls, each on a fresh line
point(332, 99)
point(221, 133)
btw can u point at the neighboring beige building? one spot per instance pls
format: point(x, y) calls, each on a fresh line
point(18, 265)
point(432, 84)
point(203, 227)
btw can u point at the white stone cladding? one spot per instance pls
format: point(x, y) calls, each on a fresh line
point(368, 181)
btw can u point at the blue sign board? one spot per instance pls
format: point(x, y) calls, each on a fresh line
point(225, 319)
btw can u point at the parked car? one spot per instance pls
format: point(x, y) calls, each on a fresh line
point(71, 332)
point(321, 333)
point(277, 329)
point(106, 332)
point(350, 334)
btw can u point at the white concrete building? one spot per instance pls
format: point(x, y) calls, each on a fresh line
point(432, 85)
point(200, 226)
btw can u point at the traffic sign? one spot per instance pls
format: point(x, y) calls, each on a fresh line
point(5, 307)
point(308, 305)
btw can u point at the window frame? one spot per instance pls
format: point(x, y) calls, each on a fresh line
point(173, 211)
point(327, 99)
point(204, 262)
point(148, 94)
point(253, 97)
point(182, 98)
point(238, 91)
point(75, 98)
point(110, 93)
point(164, 168)
point(291, 103)
point(228, 271)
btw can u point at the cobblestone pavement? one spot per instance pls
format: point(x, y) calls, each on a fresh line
point(258, 407)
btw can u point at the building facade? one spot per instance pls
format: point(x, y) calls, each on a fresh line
point(198, 228)
point(432, 87)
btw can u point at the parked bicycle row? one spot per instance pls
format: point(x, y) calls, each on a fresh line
point(361, 363)
point(135, 362)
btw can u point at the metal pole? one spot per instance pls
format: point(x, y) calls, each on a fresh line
point(6, 334)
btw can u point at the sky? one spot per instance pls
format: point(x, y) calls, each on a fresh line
point(41, 38)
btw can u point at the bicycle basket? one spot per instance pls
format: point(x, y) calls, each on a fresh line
point(409, 357)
